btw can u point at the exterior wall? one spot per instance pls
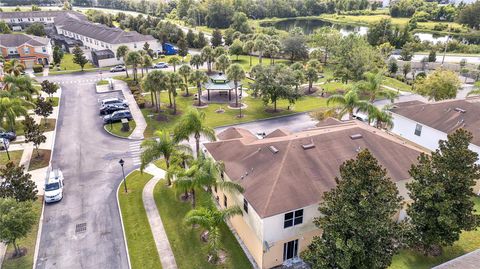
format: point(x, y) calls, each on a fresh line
point(109, 62)
point(30, 55)
point(28, 20)
point(274, 256)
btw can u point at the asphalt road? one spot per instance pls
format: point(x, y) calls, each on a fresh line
point(88, 157)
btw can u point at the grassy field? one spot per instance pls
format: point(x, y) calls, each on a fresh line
point(397, 84)
point(25, 262)
point(37, 162)
point(116, 128)
point(68, 65)
point(185, 241)
point(469, 241)
point(141, 245)
point(15, 157)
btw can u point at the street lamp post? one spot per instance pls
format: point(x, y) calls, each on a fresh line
point(121, 162)
point(240, 97)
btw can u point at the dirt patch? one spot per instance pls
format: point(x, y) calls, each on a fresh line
point(12, 256)
point(220, 111)
point(161, 117)
point(39, 159)
point(202, 104)
point(312, 91)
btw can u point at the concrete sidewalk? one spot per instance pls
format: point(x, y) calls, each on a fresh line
point(161, 240)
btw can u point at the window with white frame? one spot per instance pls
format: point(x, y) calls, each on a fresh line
point(418, 129)
point(293, 218)
point(26, 50)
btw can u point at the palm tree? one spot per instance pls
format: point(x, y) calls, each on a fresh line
point(199, 77)
point(299, 78)
point(174, 60)
point(312, 76)
point(372, 86)
point(135, 59)
point(260, 47)
point(272, 50)
point(209, 57)
point(174, 81)
point(197, 61)
point(382, 117)
point(248, 48)
point(14, 67)
point(10, 109)
point(185, 71)
point(147, 62)
point(193, 123)
point(218, 51)
point(122, 52)
point(211, 219)
point(17, 86)
point(235, 72)
point(163, 146)
point(348, 103)
point(155, 82)
point(222, 63)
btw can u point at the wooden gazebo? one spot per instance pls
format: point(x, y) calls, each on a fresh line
point(220, 83)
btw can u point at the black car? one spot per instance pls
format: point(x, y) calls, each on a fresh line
point(8, 135)
point(117, 116)
point(109, 109)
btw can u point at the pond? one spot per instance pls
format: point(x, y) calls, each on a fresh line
point(310, 25)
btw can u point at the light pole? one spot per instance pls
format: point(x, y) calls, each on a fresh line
point(6, 144)
point(240, 97)
point(121, 162)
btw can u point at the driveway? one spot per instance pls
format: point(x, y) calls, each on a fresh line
point(84, 229)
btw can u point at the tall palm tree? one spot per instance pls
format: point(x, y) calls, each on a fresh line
point(382, 117)
point(312, 75)
point(260, 47)
point(10, 109)
point(174, 81)
point(122, 52)
point(235, 72)
point(222, 63)
point(174, 61)
point(134, 59)
point(208, 56)
point(349, 103)
point(211, 219)
point(372, 86)
point(14, 67)
point(17, 86)
point(162, 146)
point(272, 51)
point(193, 123)
point(248, 48)
point(199, 77)
point(185, 71)
point(197, 61)
point(299, 78)
point(155, 82)
point(146, 63)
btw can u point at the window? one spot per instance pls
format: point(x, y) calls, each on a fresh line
point(293, 218)
point(44, 49)
point(135, 45)
point(26, 50)
point(418, 129)
point(245, 205)
point(222, 176)
point(225, 201)
point(290, 250)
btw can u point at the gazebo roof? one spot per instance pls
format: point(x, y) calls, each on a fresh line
point(220, 86)
point(219, 76)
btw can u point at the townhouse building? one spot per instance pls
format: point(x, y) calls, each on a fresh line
point(29, 49)
point(285, 175)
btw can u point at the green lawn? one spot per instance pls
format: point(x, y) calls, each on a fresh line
point(116, 128)
point(397, 84)
point(141, 245)
point(185, 241)
point(25, 262)
point(102, 82)
point(469, 241)
point(15, 157)
point(67, 64)
point(40, 159)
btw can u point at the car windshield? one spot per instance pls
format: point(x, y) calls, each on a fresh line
point(52, 186)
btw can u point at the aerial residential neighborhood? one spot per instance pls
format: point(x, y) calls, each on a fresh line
point(239, 134)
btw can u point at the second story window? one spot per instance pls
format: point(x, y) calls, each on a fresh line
point(245, 205)
point(44, 49)
point(418, 130)
point(135, 45)
point(293, 218)
point(26, 50)
point(225, 202)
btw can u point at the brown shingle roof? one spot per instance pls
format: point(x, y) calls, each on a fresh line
point(295, 177)
point(446, 116)
point(278, 133)
point(15, 40)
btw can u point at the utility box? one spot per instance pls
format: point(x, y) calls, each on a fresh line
point(125, 125)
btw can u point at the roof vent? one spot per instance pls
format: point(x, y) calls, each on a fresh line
point(308, 146)
point(273, 149)
point(356, 136)
point(358, 149)
point(461, 110)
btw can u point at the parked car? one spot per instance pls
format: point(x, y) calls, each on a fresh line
point(54, 186)
point(8, 135)
point(117, 116)
point(109, 109)
point(160, 65)
point(118, 68)
point(114, 101)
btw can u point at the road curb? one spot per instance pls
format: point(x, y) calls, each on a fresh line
point(121, 220)
point(40, 224)
point(117, 136)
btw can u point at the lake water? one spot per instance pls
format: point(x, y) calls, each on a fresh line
point(310, 25)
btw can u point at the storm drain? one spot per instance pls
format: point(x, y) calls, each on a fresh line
point(81, 227)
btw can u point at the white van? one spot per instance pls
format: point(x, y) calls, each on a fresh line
point(54, 186)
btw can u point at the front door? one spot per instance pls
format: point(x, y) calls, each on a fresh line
point(290, 250)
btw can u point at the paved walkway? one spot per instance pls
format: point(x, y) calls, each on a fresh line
point(161, 240)
point(140, 122)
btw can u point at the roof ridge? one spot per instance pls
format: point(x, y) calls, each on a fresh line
point(277, 177)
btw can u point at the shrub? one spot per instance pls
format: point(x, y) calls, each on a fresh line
point(38, 68)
